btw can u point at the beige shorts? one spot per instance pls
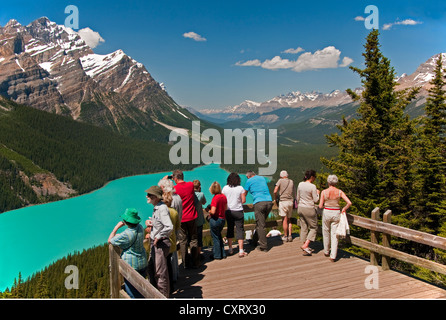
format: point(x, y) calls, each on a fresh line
point(286, 208)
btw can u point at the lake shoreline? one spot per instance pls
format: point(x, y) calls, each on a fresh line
point(83, 221)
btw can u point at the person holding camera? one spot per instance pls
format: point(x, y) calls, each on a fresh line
point(187, 234)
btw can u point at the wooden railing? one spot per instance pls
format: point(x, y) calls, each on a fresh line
point(387, 230)
point(119, 268)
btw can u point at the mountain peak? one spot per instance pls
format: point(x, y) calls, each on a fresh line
point(422, 75)
point(13, 23)
point(44, 21)
point(50, 67)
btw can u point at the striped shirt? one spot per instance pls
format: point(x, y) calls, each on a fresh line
point(131, 243)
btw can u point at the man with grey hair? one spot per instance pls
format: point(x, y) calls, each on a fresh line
point(284, 192)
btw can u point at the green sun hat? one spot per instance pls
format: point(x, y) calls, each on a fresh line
point(131, 216)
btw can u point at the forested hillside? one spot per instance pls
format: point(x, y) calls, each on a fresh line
point(81, 156)
point(50, 282)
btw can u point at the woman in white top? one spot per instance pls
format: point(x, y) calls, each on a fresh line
point(331, 215)
point(307, 196)
point(235, 194)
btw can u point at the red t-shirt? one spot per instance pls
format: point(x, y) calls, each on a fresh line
point(219, 201)
point(186, 191)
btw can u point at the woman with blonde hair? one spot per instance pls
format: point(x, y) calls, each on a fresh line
point(330, 199)
point(217, 217)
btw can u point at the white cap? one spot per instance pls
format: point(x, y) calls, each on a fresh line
point(283, 174)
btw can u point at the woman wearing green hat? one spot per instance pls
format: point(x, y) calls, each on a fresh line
point(131, 243)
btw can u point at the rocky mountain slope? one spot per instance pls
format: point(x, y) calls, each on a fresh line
point(49, 67)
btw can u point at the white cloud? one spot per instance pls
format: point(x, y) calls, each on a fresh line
point(321, 59)
point(194, 36)
point(346, 62)
point(91, 38)
point(407, 22)
point(359, 18)
point(293, 51)
point(277, 63)
point(249, 63)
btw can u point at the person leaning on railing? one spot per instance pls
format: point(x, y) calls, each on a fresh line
point(131, 243)
point(330, 199)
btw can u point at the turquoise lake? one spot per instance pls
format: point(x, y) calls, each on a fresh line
point(35, 236)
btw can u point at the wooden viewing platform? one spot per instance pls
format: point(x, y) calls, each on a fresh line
point(284, 273)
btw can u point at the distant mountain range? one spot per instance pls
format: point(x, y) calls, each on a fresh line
point(49, 67)
point(306, 117)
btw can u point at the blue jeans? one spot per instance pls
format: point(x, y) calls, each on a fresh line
point(216, 226)
point(130, 289)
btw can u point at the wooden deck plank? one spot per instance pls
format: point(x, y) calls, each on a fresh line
point(284, 273)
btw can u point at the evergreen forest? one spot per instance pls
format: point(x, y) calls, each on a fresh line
point(83, 156)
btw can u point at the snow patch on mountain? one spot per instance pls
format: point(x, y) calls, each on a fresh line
point(95, 64)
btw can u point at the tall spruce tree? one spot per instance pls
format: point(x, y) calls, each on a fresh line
point(42, 287)
point(429, 203)
point(376, 147)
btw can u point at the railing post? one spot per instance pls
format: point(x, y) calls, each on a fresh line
point(387, 217)
point(374, 238)
point(115, 285)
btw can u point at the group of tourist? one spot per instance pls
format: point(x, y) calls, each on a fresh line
point(178, 217)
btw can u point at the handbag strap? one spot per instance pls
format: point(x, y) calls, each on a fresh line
point(285, 187)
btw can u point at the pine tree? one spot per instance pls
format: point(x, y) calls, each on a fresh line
point(430, 211)
point(431, 158)
point(17, 289)
point(42, 287)
point(374, 164)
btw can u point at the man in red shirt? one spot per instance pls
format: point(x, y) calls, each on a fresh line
point(187, 234)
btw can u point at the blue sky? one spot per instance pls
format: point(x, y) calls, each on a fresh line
point(213, 72)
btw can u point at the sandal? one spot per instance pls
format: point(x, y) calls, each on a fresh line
point(307, 252)
point(242, 254)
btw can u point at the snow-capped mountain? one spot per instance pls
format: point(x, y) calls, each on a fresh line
point(296, 100)
point(50, 67)
point(301, 101)
point(422, 75)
